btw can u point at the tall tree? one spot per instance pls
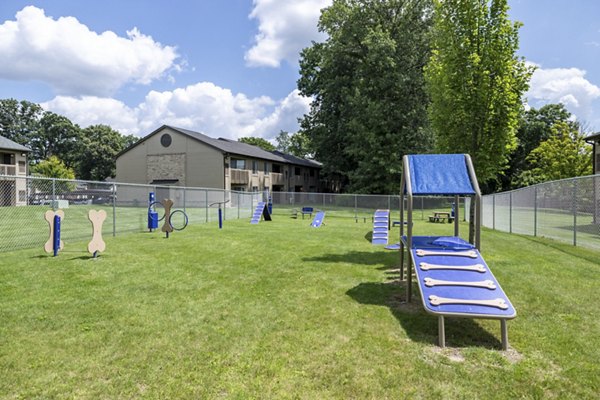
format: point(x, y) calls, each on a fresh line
point(259, 142)
point(534, 127)
point(366, 82)
point(97, 155)
point(297, 144)
point(563, 155)
point(476, 82)
point(56, 136)
point(19, 120)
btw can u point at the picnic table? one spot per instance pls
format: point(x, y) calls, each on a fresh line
point(441, 216)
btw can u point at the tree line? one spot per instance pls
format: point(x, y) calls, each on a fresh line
point(60, 148)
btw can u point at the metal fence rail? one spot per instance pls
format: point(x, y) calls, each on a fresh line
point(24, 200)
point(567, 210)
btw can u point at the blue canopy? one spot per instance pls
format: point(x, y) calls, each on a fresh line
point(439, 174)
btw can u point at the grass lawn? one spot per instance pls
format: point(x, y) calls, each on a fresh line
point(281, 310)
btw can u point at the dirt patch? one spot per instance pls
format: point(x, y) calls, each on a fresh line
point(451, 353)
point(512, 355)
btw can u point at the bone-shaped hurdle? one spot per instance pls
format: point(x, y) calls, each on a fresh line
point(49, 217)
point(97, 243)
point(469, 253)
point(475, 268)
point(167, 227)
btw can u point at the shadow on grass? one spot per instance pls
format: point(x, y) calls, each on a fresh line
point(357, 257)
point(590, 229)
point(369, 236)
point(419, 325)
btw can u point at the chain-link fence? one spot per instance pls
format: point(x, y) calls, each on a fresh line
point(567, 210)
point(24, 200)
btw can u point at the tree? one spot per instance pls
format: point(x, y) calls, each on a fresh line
point(53, 167)
point(97, 153)
point(476, 82)
point(366, 82)
point(563, 155)
point(19, 120)
point(56, 136)
point(259, 142)
point(297, 144)
point(534, 127)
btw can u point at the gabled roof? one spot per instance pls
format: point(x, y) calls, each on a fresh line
point(8, 144)
point(234, 147)
point(594, 137)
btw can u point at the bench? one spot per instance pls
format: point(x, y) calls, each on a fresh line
point(307, 210)
point(441, 216)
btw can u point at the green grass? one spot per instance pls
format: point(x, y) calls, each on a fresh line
point(281, 310)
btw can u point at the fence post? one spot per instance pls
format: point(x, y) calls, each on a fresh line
point(575, 212)
point(224, 208)
point(510, 212)
point(238, 204)
point(355, 208)
point(114, 209)
point(206, 204)
point(535, 210)
point(54, 202)
point(184, 192)
point(494, 211)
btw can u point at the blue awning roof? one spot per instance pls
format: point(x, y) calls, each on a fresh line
point(439, 174)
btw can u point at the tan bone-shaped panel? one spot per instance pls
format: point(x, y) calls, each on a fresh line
point(97, 219)
point(167, 227)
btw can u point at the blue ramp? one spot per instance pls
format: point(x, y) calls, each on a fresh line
point(261, 210)
point(318, 220)
point(381, 227)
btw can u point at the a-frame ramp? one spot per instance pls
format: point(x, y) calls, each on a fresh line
point(381, 227)
point(318, 220)
point(261, 210)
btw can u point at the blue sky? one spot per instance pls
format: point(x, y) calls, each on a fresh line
point(228, 68)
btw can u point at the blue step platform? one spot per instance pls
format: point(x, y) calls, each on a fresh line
point(381, 226)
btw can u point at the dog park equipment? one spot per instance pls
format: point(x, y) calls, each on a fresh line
point(152, 214)
point(452, 276)
point(318, 220)
point(167, 216)
point(261, 210)
point(97, 243)
point(220, 203)
point(54, 244)
point(381, 227)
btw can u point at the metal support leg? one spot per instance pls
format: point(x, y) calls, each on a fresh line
point(441, 331)
point(504, 330)
point(401, 261)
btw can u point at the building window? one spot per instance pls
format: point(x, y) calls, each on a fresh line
point(254, 167)
point(255, 188)
point(166, 140)
point(266, 167)
point(297, 171)
point(22, 195)
point(238, 188)
point(22, 168)
point(277, 168)
point(312, 172)
point(238, 164)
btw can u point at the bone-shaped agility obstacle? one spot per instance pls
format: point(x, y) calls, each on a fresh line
point(475, 268)
point(49, 217)
point(439, 301)
point(97, 243)
point(470, 253)
point(488, 284)
point(167, 227)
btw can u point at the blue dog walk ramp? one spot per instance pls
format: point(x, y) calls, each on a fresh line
point(318, 220)
point(261, 210)
point(381, 226)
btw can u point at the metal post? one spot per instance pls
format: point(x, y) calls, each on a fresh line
point(441, 331)
point(224, 208)
point(355, 209)
point(238, 204)
point(575, 212)
point(206, 204)
point(54, 202)
point(456, 212)
point(494, 211)
point(535, 211)
point(510, 212)
point(504, 330)
point(114, 209)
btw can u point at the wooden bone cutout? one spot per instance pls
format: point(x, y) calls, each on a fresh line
point(438, 301)
point(488, 284)
point(475, 268)
point(49, 217)
point(167, 227)
point(469, 253)
point(97, 219)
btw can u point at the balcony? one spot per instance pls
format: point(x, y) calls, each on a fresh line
point(277, 179)
point(239, 176)
point(7, 169)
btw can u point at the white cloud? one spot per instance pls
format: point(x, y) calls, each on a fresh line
point(202, 107)
point(76, 61)
point(564, 85)
point(284, 28)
